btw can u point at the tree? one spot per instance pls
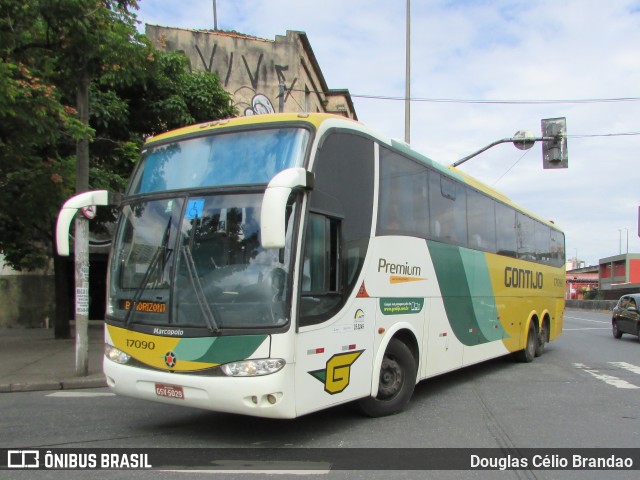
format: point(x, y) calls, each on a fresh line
point(55, 56)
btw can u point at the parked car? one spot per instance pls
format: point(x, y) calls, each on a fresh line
point(626, 316)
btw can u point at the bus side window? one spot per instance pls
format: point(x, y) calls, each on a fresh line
point(447, 209)
point(481, 220)
point(338, 224)
point(320, 267)
point(403, 201)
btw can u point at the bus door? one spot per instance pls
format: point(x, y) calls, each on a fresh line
point(333, 354)
point(333, 360)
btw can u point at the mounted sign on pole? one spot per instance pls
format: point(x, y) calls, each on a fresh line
point(554, 150)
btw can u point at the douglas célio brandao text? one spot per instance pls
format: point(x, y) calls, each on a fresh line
point(551, 462)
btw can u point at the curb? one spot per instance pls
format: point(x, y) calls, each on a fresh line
point(75, 383)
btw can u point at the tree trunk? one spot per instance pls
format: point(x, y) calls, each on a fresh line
point(61, 326)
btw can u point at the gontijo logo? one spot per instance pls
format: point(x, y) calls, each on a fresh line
point(337, 374)
point(522, 278)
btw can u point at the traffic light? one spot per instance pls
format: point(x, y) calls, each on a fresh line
point(554, 144)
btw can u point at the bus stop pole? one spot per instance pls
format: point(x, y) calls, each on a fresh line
point(81, 254)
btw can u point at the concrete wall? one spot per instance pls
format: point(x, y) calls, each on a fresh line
point(251, 69)
point(591, 304)
point(26, 300)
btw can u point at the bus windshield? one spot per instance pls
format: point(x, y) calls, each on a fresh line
point(236, 158)
point(197, 262)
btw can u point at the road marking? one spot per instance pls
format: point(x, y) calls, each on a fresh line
point(608, 379)
point(80, 394)
point(588, 320)
point(584, 328)
point(627, 366)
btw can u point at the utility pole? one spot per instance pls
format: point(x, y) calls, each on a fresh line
point(407, 98)
point(81, 244)
point(215, 16)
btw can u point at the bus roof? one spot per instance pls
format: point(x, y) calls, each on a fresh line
point(317, 119)
point(313, 118)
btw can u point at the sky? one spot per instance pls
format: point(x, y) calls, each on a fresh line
point(481, 70)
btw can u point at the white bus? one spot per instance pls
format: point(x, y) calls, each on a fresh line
point(277, 265)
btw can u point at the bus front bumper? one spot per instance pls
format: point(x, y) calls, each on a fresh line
point(270, 396)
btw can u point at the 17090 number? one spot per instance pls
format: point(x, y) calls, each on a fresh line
point(142, 344)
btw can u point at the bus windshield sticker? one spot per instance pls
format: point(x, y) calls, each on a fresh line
point(194, 209)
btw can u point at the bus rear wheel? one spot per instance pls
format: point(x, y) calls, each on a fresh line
point(528, 353)
point(397, 381)
point(543, 337)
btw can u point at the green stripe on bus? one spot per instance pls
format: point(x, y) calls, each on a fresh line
point(456, 295)
point(218, 350)
point(484, 301)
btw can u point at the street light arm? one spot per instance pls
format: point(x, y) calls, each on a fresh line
point(469, 157)
point(504, 140)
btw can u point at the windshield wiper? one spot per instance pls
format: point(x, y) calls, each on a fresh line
point(197, 288)
point(145, 280)
point(150, 269)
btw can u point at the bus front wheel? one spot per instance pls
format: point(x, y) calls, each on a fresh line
point(397, 381)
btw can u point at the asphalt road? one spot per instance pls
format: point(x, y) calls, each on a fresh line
point(583, 392)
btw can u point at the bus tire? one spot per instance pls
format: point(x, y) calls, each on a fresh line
point(543, 337)
point(528, 353)
point(397, 381)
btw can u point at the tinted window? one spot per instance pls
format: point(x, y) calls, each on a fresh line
point(338, 224)
point(543, 243)
point(403, 202)
point(526, 237)
point(506, 228)
point(457, 214)
point(557, 248)
point(481, 221)
point(448, 209)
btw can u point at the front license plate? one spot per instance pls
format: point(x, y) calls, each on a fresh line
point(171, 391)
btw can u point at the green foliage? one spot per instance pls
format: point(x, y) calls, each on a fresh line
point(135, 92)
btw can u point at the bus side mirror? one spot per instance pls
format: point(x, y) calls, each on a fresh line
point(71, 207)
point(274, 204)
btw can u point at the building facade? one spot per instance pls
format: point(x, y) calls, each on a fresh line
point(581, 281)
point(263, 76)
point(619, 275)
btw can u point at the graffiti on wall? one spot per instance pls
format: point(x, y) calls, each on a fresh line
point(248, 99)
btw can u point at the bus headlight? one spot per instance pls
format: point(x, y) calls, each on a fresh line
point(253, 368)
point(115, 355)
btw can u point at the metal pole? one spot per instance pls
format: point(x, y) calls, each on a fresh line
point(498, 142)
point(81, 243)
point(81, 253)
point(215, 16)
point(627, 240)
point(407, 100)
point(620, 241)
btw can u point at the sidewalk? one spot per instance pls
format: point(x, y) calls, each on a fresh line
point(32, 359)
